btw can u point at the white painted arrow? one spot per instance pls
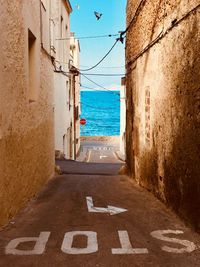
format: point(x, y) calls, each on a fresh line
point(110, 209)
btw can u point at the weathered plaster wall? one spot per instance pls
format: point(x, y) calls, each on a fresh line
point(163, 91)
point(122, 117)
point(63, 106)
point(26, 129)
point(75, 56)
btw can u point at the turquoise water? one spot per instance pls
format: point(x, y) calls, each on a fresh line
point(101, 109)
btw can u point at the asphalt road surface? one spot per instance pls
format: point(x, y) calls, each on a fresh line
point(91, 216)
point(100, 151)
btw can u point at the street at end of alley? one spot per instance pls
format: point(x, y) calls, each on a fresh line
point(92, 216)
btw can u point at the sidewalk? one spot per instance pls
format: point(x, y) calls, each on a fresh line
point(74, 167)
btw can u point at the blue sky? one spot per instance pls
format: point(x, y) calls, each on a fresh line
point(84, 23)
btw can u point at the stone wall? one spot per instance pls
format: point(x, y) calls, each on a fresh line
point(163, 105)
point(26, 127)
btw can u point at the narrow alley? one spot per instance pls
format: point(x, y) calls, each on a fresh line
point(100, 133)
point(97, 218)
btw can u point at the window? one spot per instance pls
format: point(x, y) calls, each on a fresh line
point(67, 93)
point(61, 42)
point(70, 92)
point(45, 25)
point(32, 67)
point(77, 113)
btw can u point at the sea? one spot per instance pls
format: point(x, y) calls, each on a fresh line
point(101, 109)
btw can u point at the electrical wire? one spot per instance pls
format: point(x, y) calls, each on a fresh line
point(90, 74)
point(93, 74)
point(100, 86)
point(121, 38)
point(85, 66)
point(89, 37)
point(106, 67)
point(104, 74)
point(98, 108)
point(116, 41)
point(90, 88)
point(96, 122)
point(96, 90)
point(93, 89)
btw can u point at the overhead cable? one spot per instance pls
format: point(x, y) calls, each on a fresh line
point(100, 86)
point(86, 66)
point(98, 108)
point(116, 41)
point(105, 74)
point(88, 37)
point(106, 67)
point(96, 90)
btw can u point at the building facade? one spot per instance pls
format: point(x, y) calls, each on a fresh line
point(66, 82)
point(26, 110)
point(63, 98)
point(75, 57)
point(163, 98)
point(123, 117)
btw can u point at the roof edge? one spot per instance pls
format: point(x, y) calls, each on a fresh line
point(68, 5)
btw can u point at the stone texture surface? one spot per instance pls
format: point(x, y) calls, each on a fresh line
point(163, 125)
point(26, 129)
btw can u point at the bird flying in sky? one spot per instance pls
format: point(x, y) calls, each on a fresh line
point(97, 15)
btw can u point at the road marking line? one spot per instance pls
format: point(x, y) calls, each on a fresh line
point(112, 210)
point(89, 155)
point(115, 155)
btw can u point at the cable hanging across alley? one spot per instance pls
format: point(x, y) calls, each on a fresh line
point(67, 73)
point(103, 67)
point(121, 36)
point(100, 86)
point(116, 41)
point(89, 37)
point(96, 90)
point(105, 74)
point(98, 108)
point(93, 89)
point(106, 67)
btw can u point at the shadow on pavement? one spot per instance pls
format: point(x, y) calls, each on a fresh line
point(74, 167)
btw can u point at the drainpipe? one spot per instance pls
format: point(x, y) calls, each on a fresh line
point(74, 73)
point(74, 97)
